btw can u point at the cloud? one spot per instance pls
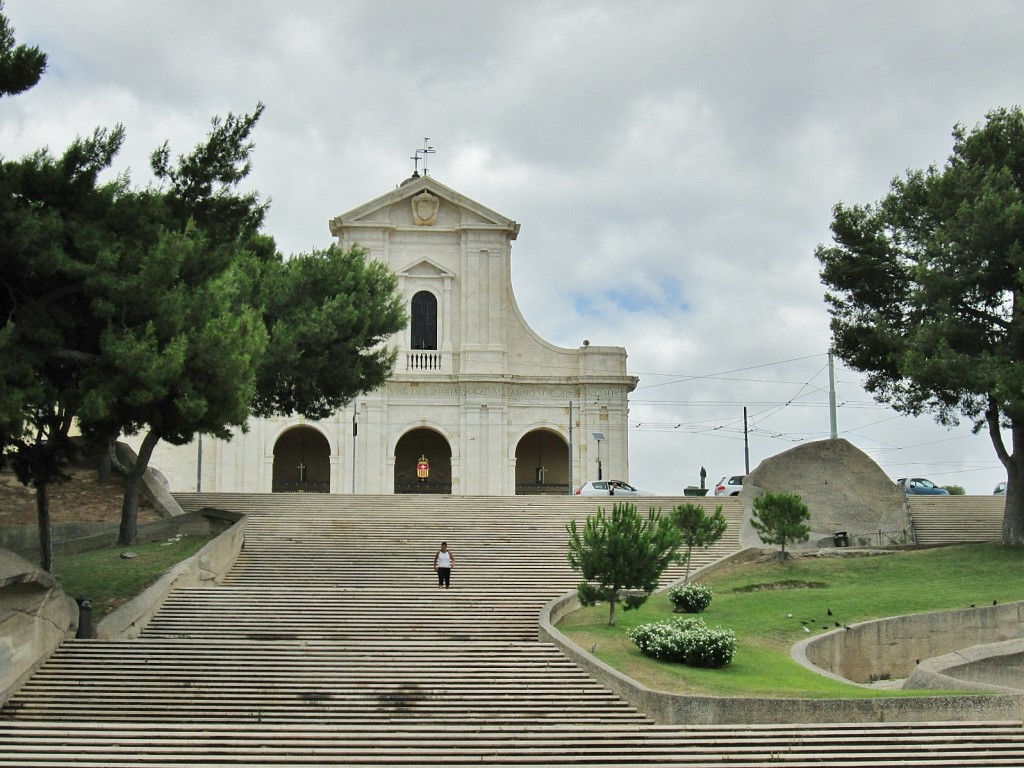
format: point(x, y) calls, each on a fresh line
point(673, 166)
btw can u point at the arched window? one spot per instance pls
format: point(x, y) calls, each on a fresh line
point(424, 321)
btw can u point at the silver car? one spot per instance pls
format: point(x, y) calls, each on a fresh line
point(609, 488)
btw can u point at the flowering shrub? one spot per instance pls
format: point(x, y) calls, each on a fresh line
point(690, 598)
point(686, 641)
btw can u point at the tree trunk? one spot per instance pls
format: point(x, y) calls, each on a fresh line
point(132, 483)
point(1013, 516)
point(611, 612)
point(45, 528)
point(104, 471)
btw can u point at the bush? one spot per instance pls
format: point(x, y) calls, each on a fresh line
point(690, 598)
point(686, 641)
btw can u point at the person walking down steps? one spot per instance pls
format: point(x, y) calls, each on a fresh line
point(444, 561)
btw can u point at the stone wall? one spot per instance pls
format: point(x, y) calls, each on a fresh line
point(681, 709)
point(893, 647)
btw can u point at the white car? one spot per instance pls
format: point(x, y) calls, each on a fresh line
point(609, 488)
point(729, 486)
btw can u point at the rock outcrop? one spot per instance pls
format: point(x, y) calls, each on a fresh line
point(35, 617)
point(842, 487)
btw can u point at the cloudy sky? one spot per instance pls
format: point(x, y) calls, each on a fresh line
point(673, 165)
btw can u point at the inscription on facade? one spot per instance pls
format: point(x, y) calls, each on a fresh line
point(509, 392)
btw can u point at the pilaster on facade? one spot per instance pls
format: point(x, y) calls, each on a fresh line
point(478, 402)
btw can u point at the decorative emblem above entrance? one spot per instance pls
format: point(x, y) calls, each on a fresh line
point(424, 209)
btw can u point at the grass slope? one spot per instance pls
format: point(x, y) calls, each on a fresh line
point(755, 599)
point(110, 580)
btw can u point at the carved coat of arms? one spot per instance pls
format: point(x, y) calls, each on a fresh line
point(424, 209)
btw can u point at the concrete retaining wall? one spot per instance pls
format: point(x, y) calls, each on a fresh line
point(36, 616)
point(893, 647)
point(72, 538)
point(681, 709)
point(206, 567)
point(996, 667)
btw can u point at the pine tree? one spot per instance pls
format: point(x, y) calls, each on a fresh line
point(698, 528)
point(621, 551)
point(781, 517)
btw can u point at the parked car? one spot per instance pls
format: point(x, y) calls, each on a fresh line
point(920, 486)
point(729, 486)
point(1000, 489)
point(609, 488)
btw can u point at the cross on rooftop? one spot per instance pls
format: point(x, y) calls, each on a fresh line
point(427, 150)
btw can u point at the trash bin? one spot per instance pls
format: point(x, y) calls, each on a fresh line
point(841, 539)
point(84, 618)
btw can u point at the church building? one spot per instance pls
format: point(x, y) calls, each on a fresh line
point(478, 403)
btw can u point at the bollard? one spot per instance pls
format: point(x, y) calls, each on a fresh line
point(84, 618)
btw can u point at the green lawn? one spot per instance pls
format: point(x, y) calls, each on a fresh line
point(109, 580)
point(755, 599)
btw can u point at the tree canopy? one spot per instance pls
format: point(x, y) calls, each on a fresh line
point(926, 292)
point(698, 528)
point(328, 314)
point(779, 518)
point(621, 551)
point(165, 309)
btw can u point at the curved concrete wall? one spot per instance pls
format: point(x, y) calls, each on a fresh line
point(996, 667)
point(893, 647)
point(680, 709)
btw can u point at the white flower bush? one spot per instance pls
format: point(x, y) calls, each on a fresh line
point(690, 598)
point(686, 641)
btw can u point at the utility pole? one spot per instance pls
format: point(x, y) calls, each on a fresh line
point(746, 444)
point(833, 421)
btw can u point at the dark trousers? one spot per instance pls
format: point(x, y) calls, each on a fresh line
point(444, 577)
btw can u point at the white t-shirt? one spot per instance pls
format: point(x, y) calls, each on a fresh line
point(444, 559)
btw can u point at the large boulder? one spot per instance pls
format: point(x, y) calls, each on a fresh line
point(842, 487)
point(155, 488)
point(35, 617)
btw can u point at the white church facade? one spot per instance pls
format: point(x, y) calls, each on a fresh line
point(478, 403)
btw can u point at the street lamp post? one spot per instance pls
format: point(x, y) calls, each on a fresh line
point(355, 431)
point(599, 436)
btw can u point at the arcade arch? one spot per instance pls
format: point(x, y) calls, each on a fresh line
point(542, 463)
point(302, 462)
point(423, 446)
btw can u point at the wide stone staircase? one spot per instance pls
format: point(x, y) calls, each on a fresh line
point(956, 519)
point(329, 643)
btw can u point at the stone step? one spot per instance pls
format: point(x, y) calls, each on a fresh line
point(956, 519)
point(329, 644)
point(217, 744)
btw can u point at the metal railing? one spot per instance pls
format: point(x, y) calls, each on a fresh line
point(428, 487)
point(300, 486)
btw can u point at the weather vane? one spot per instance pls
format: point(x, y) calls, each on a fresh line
point(427, 150)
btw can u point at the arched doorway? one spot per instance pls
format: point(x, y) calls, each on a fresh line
point(302, 462)
point(542, 463)
point(416, 448)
